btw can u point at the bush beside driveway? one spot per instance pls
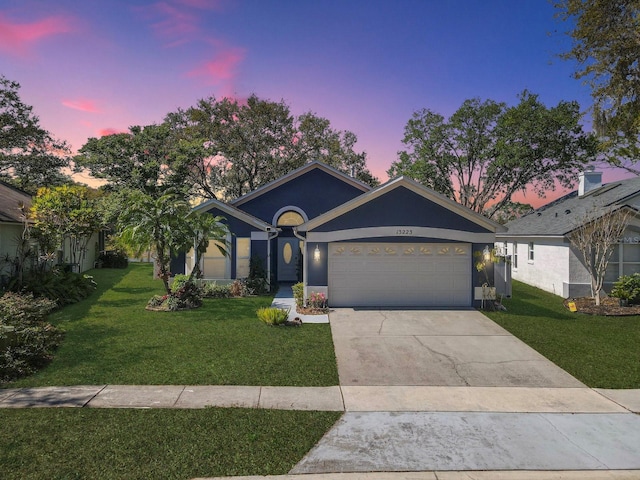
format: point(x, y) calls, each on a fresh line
point(602, 352)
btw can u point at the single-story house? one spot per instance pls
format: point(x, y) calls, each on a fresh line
point(400, 244)
point(538, 243)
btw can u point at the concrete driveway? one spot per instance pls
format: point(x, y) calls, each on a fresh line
point(436, 348)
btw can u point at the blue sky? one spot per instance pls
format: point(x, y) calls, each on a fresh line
point(93, 67)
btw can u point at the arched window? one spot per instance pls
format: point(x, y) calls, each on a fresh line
point(290, 219)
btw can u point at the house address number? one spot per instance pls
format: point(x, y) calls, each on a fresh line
point(404, 231)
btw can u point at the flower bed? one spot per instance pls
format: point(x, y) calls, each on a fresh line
point(609, 306)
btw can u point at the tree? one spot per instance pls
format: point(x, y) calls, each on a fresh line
point(135, 160)
point(316, 140)
point(29, 155)
point(65, 215)
point(596, 238)
point(227, 148)
point(510, 211)
point(165, 225)
point(487, 152)
point(606, 44)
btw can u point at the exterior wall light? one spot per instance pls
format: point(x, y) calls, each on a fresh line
point(316, 254)
point(486, 254)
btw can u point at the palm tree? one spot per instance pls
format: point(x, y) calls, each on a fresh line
point(165, 225)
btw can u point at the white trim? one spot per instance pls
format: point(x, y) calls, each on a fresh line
point(259, 235)
point(289, 208)
point(423, 232)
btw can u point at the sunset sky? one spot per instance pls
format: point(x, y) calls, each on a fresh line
point(93, 67)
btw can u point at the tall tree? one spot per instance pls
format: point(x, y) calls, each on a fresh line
point(238, 146)
point(606, 44)
point(486, 152)
point(227, 148)
point(317, 140)
point(30, 157)
point(135, 160)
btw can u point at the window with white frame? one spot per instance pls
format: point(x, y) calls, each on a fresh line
point(514, 258)
point(530, 254)
point(214, 262)
point(243, 256)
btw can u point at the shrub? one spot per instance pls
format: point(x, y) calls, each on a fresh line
point(239, 288)
point(15, 307)
point(183, 297)
point(627, 287)
point(213, 290)
point(62, 287)
point(317, 300)
point(257, 280)
point(27, 342)
point(113, 259)
point(273, 315)
point(179, 280)
point(298, 294)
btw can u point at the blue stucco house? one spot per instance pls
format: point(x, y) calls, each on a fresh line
point(400, 244)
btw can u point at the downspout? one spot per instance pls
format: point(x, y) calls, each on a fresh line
point(269, 238)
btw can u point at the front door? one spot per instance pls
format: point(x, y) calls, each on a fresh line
point(288, 252)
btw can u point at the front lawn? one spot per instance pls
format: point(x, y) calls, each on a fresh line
point(159, 444)
point(111, 339)
point(599, 351)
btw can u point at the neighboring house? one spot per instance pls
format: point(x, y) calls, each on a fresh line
point(400, 244)
point(11, 222)
point(541, 254)
point(12, 229)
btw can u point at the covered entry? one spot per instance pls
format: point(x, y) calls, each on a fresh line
point(400, 274)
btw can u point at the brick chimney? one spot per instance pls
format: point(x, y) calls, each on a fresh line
point(589, 180)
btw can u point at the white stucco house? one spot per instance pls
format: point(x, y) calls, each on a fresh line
point(541, 254)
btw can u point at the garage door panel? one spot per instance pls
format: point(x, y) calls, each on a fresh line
point(391, 274)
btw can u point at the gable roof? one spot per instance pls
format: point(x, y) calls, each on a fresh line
point(411, 185)
point(565, 214)
point(234, 212)
point(297, 173)
point(10, 198)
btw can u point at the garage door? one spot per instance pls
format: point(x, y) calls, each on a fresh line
point(400, 274)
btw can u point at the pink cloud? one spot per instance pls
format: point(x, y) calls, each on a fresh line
point(103, 132)
point(82, 104)
point(223, 67)
point(18, 38)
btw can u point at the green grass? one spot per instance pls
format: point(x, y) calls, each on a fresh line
point(599, 351)
point(159, 444)
point(111, 339)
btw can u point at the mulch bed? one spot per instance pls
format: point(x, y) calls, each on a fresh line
point(312, 311)
point(609, 306)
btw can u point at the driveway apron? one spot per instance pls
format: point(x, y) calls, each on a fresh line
point(452, 354)
point(436, 348)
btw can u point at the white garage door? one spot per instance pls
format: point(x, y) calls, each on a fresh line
point(400, 274)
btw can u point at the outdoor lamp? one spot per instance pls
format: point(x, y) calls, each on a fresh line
point(316, 254)
point(486, 254)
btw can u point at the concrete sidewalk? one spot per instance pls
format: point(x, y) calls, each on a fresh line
point(448, 475)
point(335, 398)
